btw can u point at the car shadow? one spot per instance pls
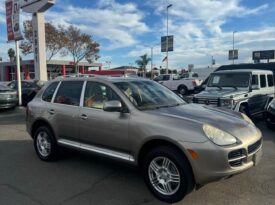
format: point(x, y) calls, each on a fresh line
point(76, 178)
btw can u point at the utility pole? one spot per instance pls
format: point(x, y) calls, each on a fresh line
point(167, 37)
point(234, 45)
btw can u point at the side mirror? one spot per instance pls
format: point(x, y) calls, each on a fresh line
point(112, 106)
point(255, 87)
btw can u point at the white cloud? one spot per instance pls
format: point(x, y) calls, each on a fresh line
point(198, 32)
point(120, 24)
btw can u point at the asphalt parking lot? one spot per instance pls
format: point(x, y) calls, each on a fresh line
point(79, 178)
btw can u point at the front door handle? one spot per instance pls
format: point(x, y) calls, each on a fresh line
point(51, 111)
point(84, 117)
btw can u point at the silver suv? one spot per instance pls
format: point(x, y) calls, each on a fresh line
point(178, 146)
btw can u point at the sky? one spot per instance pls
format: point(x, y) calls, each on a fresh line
point(127, 29)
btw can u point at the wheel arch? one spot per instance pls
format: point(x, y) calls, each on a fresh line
point(38, 123)
point(158, 142)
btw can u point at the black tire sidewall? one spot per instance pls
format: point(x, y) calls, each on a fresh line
point(186, 182)
point(54, 148)
point(182, 87)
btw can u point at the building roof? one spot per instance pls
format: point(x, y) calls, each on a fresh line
point(125, 68)
point(51, 62)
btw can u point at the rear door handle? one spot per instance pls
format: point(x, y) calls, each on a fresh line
point(51, 112)
point(84, 117)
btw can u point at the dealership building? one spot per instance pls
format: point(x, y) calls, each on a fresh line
point(55, 68)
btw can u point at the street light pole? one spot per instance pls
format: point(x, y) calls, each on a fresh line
point(234, 45)
point(167, 37)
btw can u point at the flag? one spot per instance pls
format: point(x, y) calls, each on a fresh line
point(164, 59)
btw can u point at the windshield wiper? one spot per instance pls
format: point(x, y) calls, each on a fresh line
point(217, 86)
point(235, 87)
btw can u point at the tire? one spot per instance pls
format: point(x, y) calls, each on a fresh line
point(182, 90)
point(178, 166)
point(45, 144)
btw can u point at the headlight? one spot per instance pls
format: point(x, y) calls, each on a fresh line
point(228, 103)
point(218, 136)
point(247, 119)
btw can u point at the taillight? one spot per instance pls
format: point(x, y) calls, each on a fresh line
point(194, 83)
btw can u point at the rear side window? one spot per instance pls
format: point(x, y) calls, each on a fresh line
point(270, 80)
point(255, 80)
point(263, 81)
point(48, 93)
point(166, 77)
point(69, 93)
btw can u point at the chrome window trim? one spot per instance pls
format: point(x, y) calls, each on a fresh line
point(55, 92)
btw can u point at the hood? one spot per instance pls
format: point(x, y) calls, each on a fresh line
point(4, 88)
point(217, 93)
point(228, 121)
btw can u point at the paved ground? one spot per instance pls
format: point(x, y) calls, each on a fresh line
point(84, 179)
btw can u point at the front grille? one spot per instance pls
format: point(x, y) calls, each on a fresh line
point(235, 154)
point(206, 101)
point(252, 148)
point(236, 157)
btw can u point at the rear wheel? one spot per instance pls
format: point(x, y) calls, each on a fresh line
point(168, 174)
point(45, 144)
point(182, 90)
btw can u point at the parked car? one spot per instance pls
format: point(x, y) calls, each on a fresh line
point(8, 97)
point(247, 91)
point(29, 89)
point(270, 115)
point(178, 146)
point(175, 83)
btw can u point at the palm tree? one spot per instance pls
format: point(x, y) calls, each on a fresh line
point(142, 63)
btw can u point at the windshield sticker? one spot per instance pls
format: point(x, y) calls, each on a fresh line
point(216, 79)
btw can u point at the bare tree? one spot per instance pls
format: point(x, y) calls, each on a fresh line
point(55, 39)
point(81, 46)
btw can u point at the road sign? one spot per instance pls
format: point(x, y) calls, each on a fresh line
point(263, 55)
point(33, 6)
point(164, 43)
point(233, 54)
point(12, 18)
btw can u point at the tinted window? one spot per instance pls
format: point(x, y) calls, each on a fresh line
point(229, 80)
point(263, 81)
point(69, 93)
point(149, 95)
point(96, 94)
point(255, 80)
point(270, 80)
point(48, 93)
point(166, 77)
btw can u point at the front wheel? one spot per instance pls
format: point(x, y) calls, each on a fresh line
point(168, 174)
point(182, 90)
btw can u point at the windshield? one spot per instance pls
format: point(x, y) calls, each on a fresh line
point(146, 95)
point(229, 80)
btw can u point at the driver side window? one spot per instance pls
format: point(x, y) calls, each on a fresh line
point(96, 94)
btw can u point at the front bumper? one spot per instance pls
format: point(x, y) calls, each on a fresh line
point(8, 103)
point(216, 163)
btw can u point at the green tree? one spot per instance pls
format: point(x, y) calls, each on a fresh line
point(143, 62)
